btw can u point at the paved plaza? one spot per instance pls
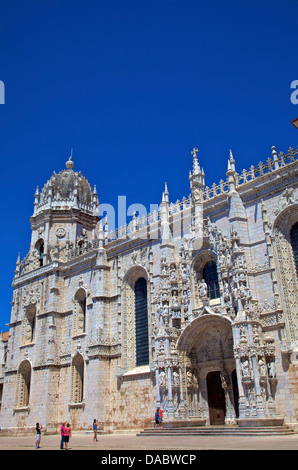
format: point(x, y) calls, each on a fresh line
point(130, 442)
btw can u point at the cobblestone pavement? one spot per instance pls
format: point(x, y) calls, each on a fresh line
point(126, 442)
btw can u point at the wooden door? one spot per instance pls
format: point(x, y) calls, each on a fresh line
point(216, 399)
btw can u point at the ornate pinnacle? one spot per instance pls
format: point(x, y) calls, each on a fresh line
point(165, 194)
point(196, 166)
point(231, 163)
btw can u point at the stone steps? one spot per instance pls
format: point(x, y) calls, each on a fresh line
point(219, 431)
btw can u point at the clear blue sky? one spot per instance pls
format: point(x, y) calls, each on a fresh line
point(133, 86)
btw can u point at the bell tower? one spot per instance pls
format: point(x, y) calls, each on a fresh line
point(65, 214)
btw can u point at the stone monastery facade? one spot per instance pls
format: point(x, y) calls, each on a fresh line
point(192, 309)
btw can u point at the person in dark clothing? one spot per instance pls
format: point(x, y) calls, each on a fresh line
point(38, 435)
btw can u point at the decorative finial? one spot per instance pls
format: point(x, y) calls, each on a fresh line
point(18, 266)
point(70, 164)
point(165, 194)
point(231, 162)
point(196, 166)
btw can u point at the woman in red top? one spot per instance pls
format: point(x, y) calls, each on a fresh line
point(67, 435)
point(160, 418)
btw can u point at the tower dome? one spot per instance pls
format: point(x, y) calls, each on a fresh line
point(66, 189)
point(65, 183)
point(65, 216)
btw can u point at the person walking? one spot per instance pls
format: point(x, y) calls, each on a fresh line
point(67, 435)
point(62, 435)
point(38, 435)
point(95, 425)
point(156, 418)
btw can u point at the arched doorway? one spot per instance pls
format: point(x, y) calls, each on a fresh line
point(207, 348)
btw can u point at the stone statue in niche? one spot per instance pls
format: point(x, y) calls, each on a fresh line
point(271, 370)
point(203, 289)
point(245, 368)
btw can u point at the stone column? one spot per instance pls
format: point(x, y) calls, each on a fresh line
point(170, 393)
point(241, 401)
point(260, 406)
point(157, 387)
point(182, 404)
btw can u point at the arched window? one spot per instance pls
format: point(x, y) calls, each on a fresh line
point(211, 279)
point(294, 243)
point(77, 379)
point(141, 323)
point(80, 311)
point(23, 384)
point(40, 248)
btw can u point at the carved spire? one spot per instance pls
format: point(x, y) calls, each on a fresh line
point(231, 173)
point(36, 195)
point(100, 234)
point(164, 214)
point(95, 200)
point(274, 157)
point(165, 194)
point(36, 199)
point(231, 162)
point(18, 264)
point(197, 177)
point(195, 165)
